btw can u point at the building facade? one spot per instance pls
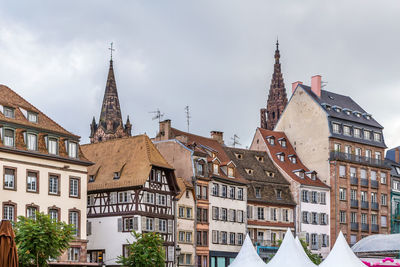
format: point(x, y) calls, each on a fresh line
point(336, 137)
point(277, 98)
point(393, 158)
point(270, 205)
point(42, 170)
point(309, 192)
point(131, 187)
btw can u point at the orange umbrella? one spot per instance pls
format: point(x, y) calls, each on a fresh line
point(8, 248)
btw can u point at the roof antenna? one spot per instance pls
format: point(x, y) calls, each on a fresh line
point(235, 140)
point(187, 111)
point(158, 115)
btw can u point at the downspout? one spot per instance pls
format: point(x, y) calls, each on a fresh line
point(176, 229)
point(336, 200)
point(194, 182)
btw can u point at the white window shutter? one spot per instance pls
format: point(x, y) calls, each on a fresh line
point(143, 223)
point(318, 197)
point(267, 213)
point(119, 224)
point(89, 228)
point(170, 226)
point(319, 241)
point(309, 217)
point(156, 225)
point(279, 215)
point(268, 235)
point(290, 215)
point(168, 201)
point(308, 196)
point(136, 223)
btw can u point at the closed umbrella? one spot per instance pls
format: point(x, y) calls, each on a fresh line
point(8, 248)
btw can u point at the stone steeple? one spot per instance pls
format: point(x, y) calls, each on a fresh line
point(277, 98)
point(110, 124)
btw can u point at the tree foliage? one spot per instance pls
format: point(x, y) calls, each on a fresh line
point(315, 258)
point(146, 251)
point(41, 239)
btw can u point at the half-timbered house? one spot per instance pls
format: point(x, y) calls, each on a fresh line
point(131, 187)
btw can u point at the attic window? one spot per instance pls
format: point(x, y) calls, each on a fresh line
point(282, 142)
point(281, 156)
point(249, 171)
point(299, 173)
point(91, 178)
point(230, 172)
point(271, 140)
point(312, 175)
point(279, 194)
point(368, 117)
point(337, 109)
point(117, 175)
point(270, 174)
point(293, 159)
point(357, 114)
point(260, 158)
point(8, 112)
point(32, 117)
point(238, 156)
point(215, 168)
point(347, 111)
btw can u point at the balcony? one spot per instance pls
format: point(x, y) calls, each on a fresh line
point(374, 206)
point(365, 227)
point(364, 182)
point(364, 205)
point(354, 226)
point(374, 184)
point(354, 203)
point(335, 155)
point(374, 228)
point(265, 243)
point(353, 180)
point(314, 247)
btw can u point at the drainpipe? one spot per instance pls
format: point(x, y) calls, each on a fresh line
point(336, 199)
point(176, 229)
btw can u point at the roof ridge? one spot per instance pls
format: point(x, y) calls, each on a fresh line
point(209, 138)
point(115, 139)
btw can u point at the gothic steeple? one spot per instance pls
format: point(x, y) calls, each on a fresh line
point(277, 98)
point(110, 124)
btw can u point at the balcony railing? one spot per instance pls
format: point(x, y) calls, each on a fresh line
point(364, 182)
point(374, 184)
point(353, 180)
point(374, 228)
point(265, 243)
point(354, 226)
point(335, 155)
point(354, 203)
point(314, 247)
point(365, 227)
point(374, 206)
point(364, 204)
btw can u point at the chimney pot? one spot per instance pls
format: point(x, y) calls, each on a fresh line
point(316, 85)
point(217, 135)
point(294, 85)
point(165, 130)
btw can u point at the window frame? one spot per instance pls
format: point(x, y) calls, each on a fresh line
point(78, 228)
point(36, 141)
point(14, 205)
point(14, 188)
point(58, 184)
point(54, 208)
point(78, 179)
point(4, 136)
point(37, 181)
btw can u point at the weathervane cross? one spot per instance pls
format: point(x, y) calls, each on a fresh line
point(111, 49)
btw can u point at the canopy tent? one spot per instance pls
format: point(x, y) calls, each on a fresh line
point(289, 254)
point(247, 256)
point(300, 247)
point(342, 255)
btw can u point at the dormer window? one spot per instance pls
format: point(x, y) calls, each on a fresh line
point(337, 108)
point(326, 106)
point(116, 175)
point(281, 156)
point(52, 146)
point(271, 140)
point(8, 112)
point(346, 130)
point(377, 137)
point(32, 117)
point(282, 142)
point(9, 137)
point(367, 135)
point(312, 175)
point(357, 114)
point(260, 158)
point(269, 174)
point(258, 192)
point(230, 172)
point(200, 168)
point(299, 173)
point(31, 141)
point(335, 127)
point(249, 171)
point(215, 168)
point(367, 116)
point(238, 155)
point(347, 111)
point(72, 149)
point(293, 159)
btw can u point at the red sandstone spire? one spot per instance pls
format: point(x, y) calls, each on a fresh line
point(277, 98)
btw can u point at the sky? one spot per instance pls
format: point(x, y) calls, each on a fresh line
point(214, 56)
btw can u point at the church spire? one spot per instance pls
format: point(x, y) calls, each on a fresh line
point(277, 98)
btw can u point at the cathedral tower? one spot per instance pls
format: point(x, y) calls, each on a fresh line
point(277, 98)
point(110, 124)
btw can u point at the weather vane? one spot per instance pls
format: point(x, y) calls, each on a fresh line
point(111, 49)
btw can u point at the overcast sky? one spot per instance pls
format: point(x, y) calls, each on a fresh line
point(215, 56)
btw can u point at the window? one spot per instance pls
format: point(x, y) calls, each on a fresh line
point(240, 238)
point(374, 197)
point(258, 192)
point(188, 213)
point(378, 155)
point(32, 117)
point(52, 146)
point(53, 213)
point(8, 137)
point(367, 135)
point(200, 169)
point(74, 220)
point(353, 172)
point(336, 127)
point(274, 214)
point(72, 150)
point(342, 193)
point(337, 147)
point(204, 192)
point(123, 197)
point(9, 179)
point(353, 217)
point(353, 239)
point(271, 141)
point(293, 159)
point(282, 143)
point(31, 141)
point(230, 172)
point(149, 224)
point(357, 151)
point(313, 240)
point(188, 237)
point(373, 175)
point(181, 212)
point(383, 221)
point(364, 218)
point(314, 197)
point(215, 168)
point(363, 174)
point(304, 195)
point(240, 217)
point(342, 171)
point(305, 217)
point(260, 213)
point(8, 112)
point(353, 194)
point(8, 212)
point(342, 216)
point(161, 200)
point(74, 187)
point(281, 156)
point(346, 130)
point(224, 237)
point(215, 235)
point(240, 194)
point(224, 189)
point(383, 178)
point(323, 198)
point(357, 132)
point(323, 218)
point(224, 214)
point(232, 239)
point(149, 198)
point(32, 182)
point(279, 194)
point(377, 137)
point(232, 192)
point(215, 189)
point(368, 153)
point(374, 219)
point(31, 212)
point(285, 215)
point(73, 254)
point(314, 218)
point(364, 196)
point(162, 226)
point(347, 149)
point(383, 199)
point(325, 240)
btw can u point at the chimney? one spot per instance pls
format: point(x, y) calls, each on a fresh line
point(397, 154)
point(316, 85)
point(294, 85)
point(165, 130)
point(219, 136)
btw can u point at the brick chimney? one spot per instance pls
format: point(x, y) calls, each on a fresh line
point(316, 85)
point(165, 130)
point(397, 154)
point(294, 85)
point(219, 136)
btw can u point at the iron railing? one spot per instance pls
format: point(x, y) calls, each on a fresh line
point(364, 182)
point(374, 184)
point(365, 227)
point(354, 203)
point(353, 180)
point(354, 226)
point(374, 206)
point(335, 155)
point(374, 228)
point(364, 204)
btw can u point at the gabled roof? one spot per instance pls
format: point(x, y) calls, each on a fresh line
point(9, 98)
point(287, 165)
point(134, 157)
point(183, 186)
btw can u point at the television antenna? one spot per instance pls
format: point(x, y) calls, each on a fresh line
point(187, 111)
point(235, 140)
point(158, 115)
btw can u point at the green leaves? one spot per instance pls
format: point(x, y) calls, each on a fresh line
point(41, 239)
point(146, 251)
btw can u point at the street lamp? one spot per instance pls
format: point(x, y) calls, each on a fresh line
point(178, 253)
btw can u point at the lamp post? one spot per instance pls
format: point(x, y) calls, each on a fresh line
point(178, 253)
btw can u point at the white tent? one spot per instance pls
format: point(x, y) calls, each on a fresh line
point(300, 247)
point(289, 254)
point(341, 255)
point(247, 256)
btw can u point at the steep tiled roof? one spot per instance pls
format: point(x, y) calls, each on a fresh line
point(183, 186)
point(287, 165)
point(9, 98)
point(259, 178)
point(132, 156)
